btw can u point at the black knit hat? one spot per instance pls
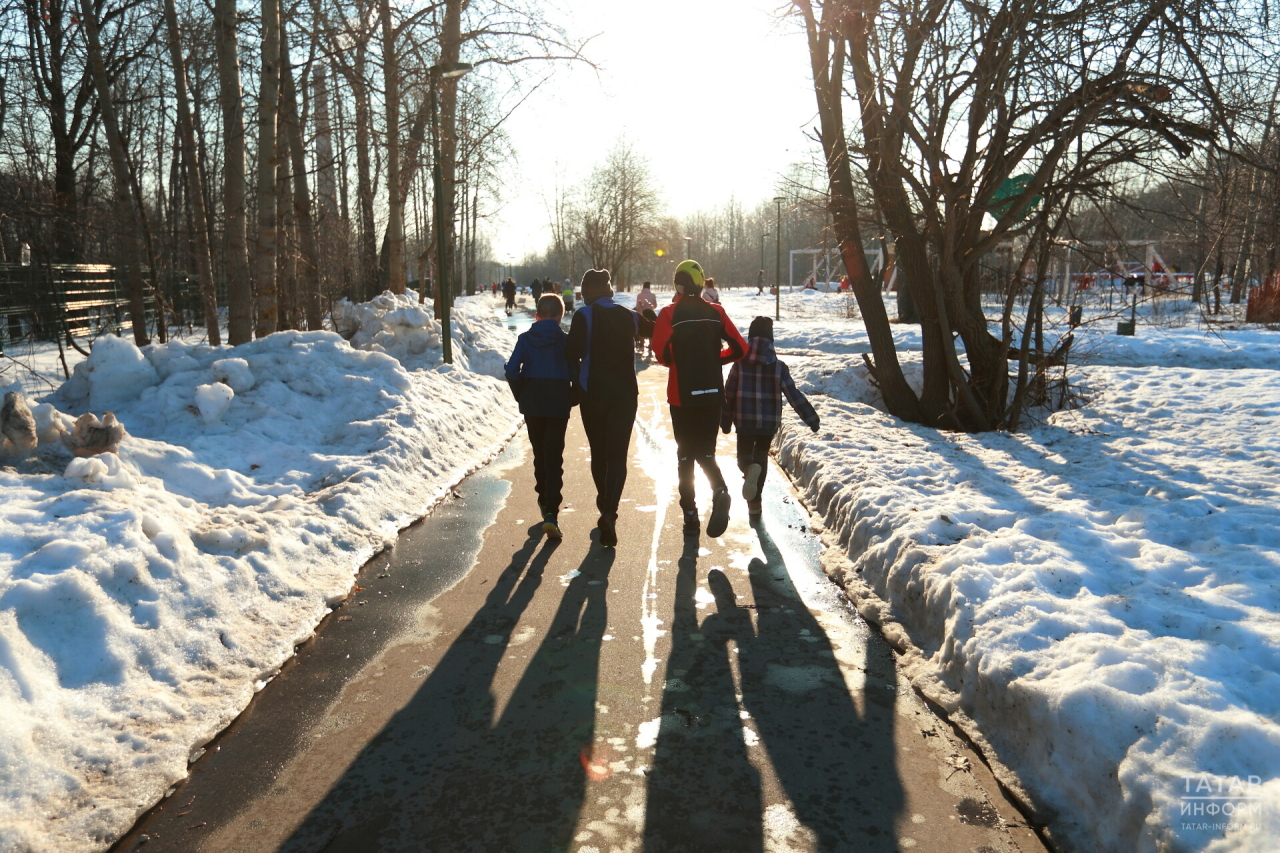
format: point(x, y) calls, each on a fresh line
point(595, 285)
point(761, 327)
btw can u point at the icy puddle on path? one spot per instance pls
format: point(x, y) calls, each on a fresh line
point(771, 717)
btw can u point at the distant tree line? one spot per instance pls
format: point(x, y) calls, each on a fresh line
point(280, 153)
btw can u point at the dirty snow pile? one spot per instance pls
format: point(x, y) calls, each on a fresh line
point(1098, 598)
point(144, 596)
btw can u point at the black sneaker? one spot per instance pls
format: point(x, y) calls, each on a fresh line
point(692, 526)
point(719, 520)
point(608, 532)
point(550, 526)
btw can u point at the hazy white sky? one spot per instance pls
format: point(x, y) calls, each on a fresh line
point(715, 93)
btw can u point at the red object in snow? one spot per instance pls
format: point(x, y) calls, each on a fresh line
point(1264, 302)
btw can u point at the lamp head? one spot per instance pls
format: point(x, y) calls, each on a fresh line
point(447, 70)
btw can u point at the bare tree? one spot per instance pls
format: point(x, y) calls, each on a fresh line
point(195, 176)
point(956, 100)
point(127, 202)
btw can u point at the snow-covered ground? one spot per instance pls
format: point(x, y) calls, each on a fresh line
point(1099, 598)
point(144, 597)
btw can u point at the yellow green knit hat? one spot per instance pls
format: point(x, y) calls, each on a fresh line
point(694, 271)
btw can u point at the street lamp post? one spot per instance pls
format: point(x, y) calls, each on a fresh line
point(777, 260)
point(763, 235)
point(444, 295)
point(688, 247)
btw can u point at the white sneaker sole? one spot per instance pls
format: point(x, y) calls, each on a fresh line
point(751, 486)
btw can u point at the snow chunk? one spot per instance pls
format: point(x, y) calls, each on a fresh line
point(105, 470)
point(115, 373)
point(214, 399)
point(235, 372)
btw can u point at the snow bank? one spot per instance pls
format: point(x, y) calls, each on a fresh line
point(1098, 599)
point(407, 330)
point(144, 597)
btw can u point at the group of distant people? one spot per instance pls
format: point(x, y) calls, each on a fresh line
point(539, 287)
point(593, 367)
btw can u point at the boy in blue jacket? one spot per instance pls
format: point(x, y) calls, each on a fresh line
point(753, 403)
point(539, 377)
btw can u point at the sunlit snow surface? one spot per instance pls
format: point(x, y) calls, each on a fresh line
point(1100, 594)
point(144, 598)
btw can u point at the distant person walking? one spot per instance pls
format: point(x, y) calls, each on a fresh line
point(538, 373)
point(509, 294)
point(567, 296)
point(599, 345)
point(646, 300)
point(760, 283)
point(753, 405)
point(687, 338)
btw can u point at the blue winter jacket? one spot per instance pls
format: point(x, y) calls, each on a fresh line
point(539, 373)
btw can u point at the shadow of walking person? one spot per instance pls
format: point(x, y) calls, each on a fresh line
point(836, 764)
point(441, 775)
point(703, 792)
point(521, 785)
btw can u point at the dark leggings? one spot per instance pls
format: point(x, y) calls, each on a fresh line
point(608, 426)
point(754, 448)
point(695, 430)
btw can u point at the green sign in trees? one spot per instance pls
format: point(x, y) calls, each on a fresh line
point(1002, 203)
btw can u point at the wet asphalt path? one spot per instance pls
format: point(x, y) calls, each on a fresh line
point(485, 689)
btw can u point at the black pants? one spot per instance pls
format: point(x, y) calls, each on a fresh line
point(695, 429)
point(608, 426)
point(511, 302)
point(547, 437)
point(754, 449)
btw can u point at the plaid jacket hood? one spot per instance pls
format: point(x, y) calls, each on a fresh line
point(754, 391)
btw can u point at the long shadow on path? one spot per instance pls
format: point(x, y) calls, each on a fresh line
point(836, 764)
point(442, 775)
point(833, 764)
point(703, 792)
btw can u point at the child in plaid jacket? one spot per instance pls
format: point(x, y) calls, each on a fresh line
point(753, 403)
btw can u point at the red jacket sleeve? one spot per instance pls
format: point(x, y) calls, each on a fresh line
point(737, 347)
point(662, 335)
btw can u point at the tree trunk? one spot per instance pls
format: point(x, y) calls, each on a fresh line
point(231, 99)
point(308, 296)
point(827, 59)
point(326, 229)
point(395, 193)
point(364, 179)
point(450, 51)
point(268, 162)
point(286, 233)
point(127, 204)
point(195, 179)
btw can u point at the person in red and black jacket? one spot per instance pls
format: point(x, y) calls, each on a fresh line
point(687, 338)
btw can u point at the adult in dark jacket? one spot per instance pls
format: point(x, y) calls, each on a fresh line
point(599, 345)
point(753, 403)
point(509, 294)
point(687, 339)
point(538, 373)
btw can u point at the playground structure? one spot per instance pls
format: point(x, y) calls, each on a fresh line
point(831, 266)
